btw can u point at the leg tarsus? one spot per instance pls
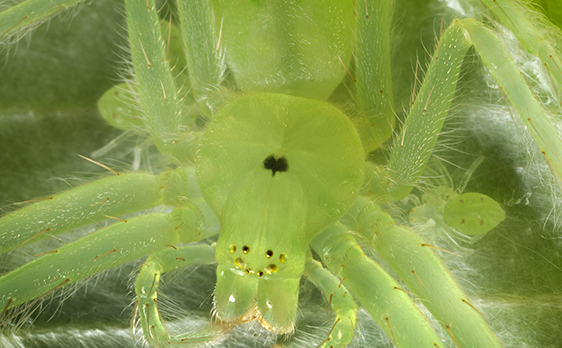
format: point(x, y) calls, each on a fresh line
point(341, 301)
point(154, 327)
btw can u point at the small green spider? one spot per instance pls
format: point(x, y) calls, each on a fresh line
point(443, 208)
point(277, 184)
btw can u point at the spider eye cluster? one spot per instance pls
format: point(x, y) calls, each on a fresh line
point(240, 263)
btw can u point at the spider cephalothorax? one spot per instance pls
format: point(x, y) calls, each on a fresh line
point(268, 217)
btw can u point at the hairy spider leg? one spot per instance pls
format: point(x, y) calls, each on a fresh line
point(203, 52)
point(408, 159)
point(377, 291)
point(146, 287)
point(341, 301)
point(139, 236)
point(119, 105)
point(101, 250)
point(156, 88)
point(96, 201)
point(373, 72)
point(29, 12)
point(410, 155)
point(425, 274)
point(512, 83)
point(516, 18)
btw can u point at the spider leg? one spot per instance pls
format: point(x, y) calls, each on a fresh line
point(373, 72)
point(532, 36)
point(341, 301)
point(29, 12)
point(146, 288)
point(512, 83)
point(157, 92)
point(468, 174)
point(378, 293)
point(425, 274)
point(202, 50)
point(422, 127)
point(104, 249)
point(409, 156)
point(97, 201)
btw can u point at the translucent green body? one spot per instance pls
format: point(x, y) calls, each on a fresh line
point(287, 46)
point(272, 202)
point(283, 209)
point(243, 151)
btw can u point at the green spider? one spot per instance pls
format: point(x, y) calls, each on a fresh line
point(443, 207)
point(277, 173)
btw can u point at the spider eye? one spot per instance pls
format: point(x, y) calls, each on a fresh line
point(232, 249)
point(269, 254)
point(260, 273)
point(240, 263)
point(271, 269)
point(245, 249)
point(276, 164)
point(282, 258)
